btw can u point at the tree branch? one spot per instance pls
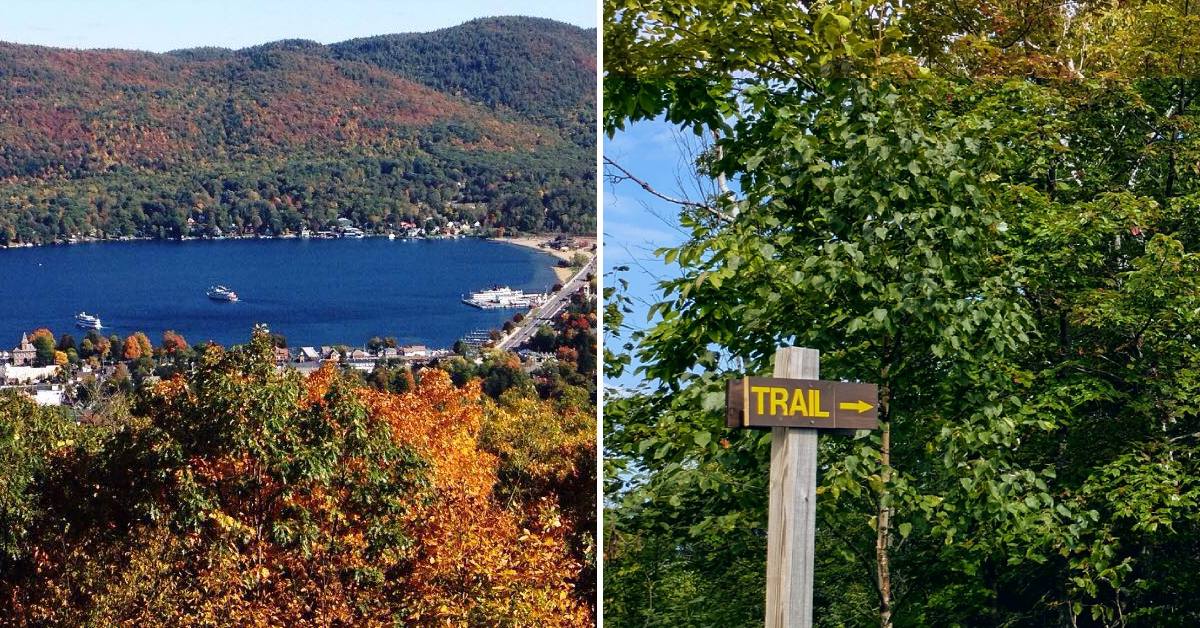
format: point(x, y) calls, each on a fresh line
point(627, 175)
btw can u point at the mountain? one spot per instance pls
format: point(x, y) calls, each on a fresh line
point(490, 121)
point(538, 67)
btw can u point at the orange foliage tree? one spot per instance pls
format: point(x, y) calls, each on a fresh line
point(136, 346)
point(242, 495)
point(547, 453)
point(477, 562)
point(173, 342)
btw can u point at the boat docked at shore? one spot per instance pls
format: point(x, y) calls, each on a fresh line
point(503, 297)
point(83, 320)
point(221, 293)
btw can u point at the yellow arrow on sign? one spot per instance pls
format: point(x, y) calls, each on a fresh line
point(860, 405)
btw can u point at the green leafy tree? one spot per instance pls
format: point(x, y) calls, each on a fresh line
point(44, 344)
point(31, 440)
point(1012, 260)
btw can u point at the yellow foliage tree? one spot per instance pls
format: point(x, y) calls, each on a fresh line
point(476, 561)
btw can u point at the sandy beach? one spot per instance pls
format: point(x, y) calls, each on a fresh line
point(585, 246)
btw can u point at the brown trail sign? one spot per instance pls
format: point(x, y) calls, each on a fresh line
point(818, 404)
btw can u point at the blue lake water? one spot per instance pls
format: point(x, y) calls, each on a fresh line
point(314, 292)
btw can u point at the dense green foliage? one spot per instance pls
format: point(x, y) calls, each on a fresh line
point(292, 135)
point(1006, 244)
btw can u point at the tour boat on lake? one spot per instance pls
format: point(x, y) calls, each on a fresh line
point(221, 293)
point(503, 297)
point(83, 320)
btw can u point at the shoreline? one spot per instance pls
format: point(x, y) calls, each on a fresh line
point(534, 242)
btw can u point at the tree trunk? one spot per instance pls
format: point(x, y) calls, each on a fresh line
point(883, 524)
point(883, 527)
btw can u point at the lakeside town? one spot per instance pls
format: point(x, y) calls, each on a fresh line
point(434, 228)
point(47, 369)
point(60, 370)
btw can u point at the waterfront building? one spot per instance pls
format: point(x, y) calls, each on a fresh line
point(21, 375)
point(308, 354)
point(24, 354)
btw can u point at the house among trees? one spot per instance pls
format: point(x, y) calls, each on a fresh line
point(54, 395)
point(415, 351)
point(308, 354)
point(24, 354)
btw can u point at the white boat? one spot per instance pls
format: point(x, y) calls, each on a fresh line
point(83, 320)
point(503, 297)
point(221, 293)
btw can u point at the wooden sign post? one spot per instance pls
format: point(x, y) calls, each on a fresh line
point(795, 404)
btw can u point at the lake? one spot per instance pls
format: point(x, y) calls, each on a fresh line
point(314, 292)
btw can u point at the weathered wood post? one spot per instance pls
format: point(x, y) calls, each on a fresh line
point(796, 404)
point(791, 520)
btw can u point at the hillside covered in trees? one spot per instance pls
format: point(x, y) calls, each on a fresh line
point(490, 121)
point(233, 493)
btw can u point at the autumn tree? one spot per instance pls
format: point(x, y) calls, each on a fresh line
point(546, 451)
point(237, 491)
point(173, 343)
point(121, 379)
point(136, 346)
point(43, 342)
point(102, 347)
point(468, 536)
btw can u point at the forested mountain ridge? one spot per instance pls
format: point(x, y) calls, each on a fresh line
point(540, 68)
point(291, 135)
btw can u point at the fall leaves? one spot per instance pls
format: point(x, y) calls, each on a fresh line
point(244, 495)
point(136, 346)
point(475, 558)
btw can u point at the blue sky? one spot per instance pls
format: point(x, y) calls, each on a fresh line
point(635, 222)
point(169, 25)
